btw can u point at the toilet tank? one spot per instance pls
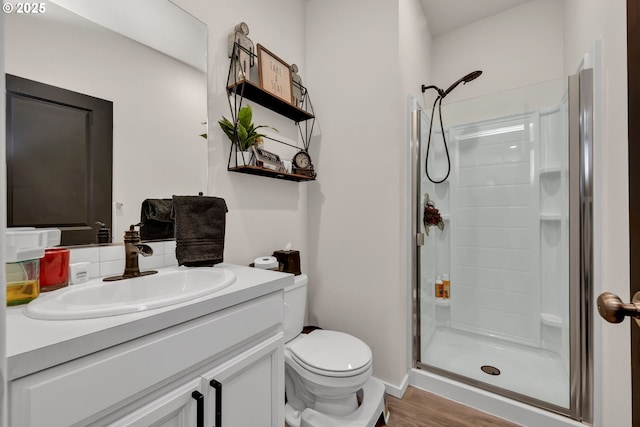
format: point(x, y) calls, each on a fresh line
point(295, 306)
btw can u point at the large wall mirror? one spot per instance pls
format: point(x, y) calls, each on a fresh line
point(146, 57)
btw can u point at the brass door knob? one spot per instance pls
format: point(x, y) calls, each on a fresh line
point(613, 310)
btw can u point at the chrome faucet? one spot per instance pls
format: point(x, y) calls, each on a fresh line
point(133, 248)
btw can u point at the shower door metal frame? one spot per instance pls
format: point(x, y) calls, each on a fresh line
point(581, 244)
point(580, 88)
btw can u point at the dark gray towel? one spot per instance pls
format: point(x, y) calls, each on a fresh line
point(199, 226)
point(155, 219)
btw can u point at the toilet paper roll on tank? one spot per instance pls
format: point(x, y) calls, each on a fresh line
point(286, 260)
point(266, 263)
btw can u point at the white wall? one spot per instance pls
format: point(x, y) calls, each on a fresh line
point(356, 282)
point(415, 47)
point(360, 72)
point(518, 47)
point(158, 102)
point(586, 21)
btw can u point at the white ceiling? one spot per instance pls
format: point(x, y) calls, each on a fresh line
point(447, 15)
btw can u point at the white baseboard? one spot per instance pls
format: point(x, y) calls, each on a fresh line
point(396, 391)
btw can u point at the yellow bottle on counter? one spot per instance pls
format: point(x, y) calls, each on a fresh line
point(23, 283)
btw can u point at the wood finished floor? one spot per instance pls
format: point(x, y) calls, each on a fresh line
point(419, 408)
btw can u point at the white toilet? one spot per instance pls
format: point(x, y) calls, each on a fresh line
point(328, 379)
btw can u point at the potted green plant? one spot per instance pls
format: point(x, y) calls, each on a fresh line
point(245, 135)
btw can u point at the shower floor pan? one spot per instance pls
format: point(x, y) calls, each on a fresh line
point(534, 372)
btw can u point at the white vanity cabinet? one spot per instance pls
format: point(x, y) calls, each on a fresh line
point(181, 407)
point(224, 369)
point(245, 389)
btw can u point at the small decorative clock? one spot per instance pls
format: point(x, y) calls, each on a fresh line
point(302, 164)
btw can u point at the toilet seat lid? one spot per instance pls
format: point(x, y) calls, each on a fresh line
point(331, 352)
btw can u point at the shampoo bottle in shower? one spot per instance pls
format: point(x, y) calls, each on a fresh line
point(439, 288)
point(446, 286)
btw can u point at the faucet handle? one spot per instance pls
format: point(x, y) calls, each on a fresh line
point(132, 235)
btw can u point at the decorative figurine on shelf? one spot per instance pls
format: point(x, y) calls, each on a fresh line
point(298, 96)
point(241, 51)
point(431, 215)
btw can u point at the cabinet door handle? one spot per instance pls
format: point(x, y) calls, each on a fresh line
point(218, 388)
point(199, 397)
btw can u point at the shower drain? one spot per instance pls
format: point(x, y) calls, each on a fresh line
point(491, 370)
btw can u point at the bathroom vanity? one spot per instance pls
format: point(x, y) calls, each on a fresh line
point(213, 361)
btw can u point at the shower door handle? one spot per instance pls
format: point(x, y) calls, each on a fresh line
point(613, 310)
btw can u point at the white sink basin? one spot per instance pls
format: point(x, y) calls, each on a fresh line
point(100, 299)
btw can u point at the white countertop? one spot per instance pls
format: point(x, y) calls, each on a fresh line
point(34, 345)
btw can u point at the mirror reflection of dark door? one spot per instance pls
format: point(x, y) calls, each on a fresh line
point(59, 159)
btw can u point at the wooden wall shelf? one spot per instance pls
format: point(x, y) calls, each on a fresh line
point(254, 170)
point(251, 91)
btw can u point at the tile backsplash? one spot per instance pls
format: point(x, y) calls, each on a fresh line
point(109, 260)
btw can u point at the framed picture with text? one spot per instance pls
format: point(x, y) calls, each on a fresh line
point(275, 75)
point(267, 160)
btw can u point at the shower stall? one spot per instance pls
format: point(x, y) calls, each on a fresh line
point(503, 244)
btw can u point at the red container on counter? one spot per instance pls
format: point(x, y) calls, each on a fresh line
point(54, 269)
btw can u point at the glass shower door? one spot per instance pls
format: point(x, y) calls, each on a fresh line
point(493, 267)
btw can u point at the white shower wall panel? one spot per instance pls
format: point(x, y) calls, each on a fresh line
point(553, 288)
point(495, 175)
point(552, 150)
point(495, 237)
point(494, 259)
point(505, 145)
point(494, 279)
point(518, 195)
point(516, 217)
point(494, 256)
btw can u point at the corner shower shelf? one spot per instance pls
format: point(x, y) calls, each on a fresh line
point(442, 302)
point(550, 171)
point(550, 320)
point(550, 217)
